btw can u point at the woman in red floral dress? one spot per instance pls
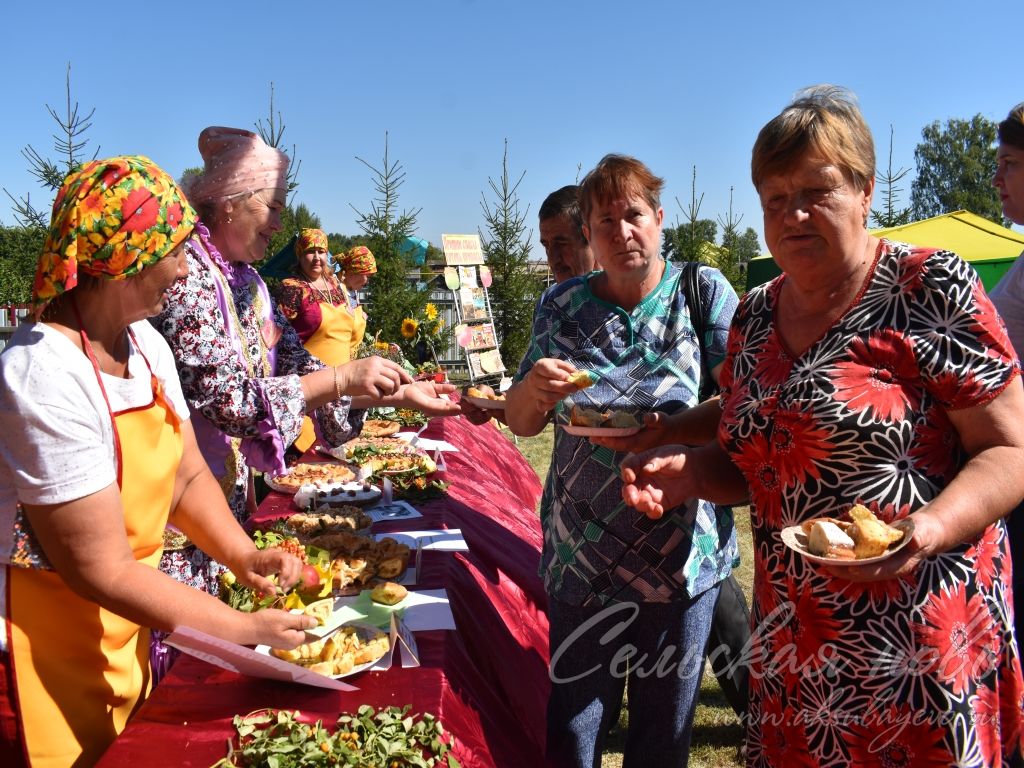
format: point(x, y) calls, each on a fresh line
point(877, 373)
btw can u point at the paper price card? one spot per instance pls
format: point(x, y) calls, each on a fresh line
point(401, 636)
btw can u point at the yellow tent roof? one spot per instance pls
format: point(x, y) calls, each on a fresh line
point(966, 234)
point(989, 247)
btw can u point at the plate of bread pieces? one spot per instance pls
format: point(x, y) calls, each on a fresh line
point(487, 400)
point(344, 650)
point(859, 538)
point(590, 422)
point(347, 651)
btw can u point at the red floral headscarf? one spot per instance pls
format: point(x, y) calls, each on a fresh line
point(358, 261)
point(111, 218)
point(310, 240)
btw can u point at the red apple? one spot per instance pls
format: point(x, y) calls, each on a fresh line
point(309, 581)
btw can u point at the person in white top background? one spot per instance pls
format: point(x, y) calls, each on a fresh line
point(1008, 296)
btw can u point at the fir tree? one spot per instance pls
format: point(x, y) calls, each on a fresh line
point(68, 144)
point(515, 287)
point(890, 215)
point(391, 296)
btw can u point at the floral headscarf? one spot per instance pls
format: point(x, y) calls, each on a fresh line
point(358, 261)
point(310, 240)
point(111, 218)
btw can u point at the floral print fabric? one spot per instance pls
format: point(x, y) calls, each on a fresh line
point(264, 407)
point(358, 260)
point(310, 240)
point(111, 218)
point(922, 670)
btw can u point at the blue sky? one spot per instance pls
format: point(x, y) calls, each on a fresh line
point(676, 84)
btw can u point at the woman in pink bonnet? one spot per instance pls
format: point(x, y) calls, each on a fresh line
point(243, 369)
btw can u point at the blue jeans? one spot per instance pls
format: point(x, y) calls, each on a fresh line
point(660, 645)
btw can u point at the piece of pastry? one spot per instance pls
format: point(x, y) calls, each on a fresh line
point(581, 379)
point(587, 417)
point(308, 652)
point(372, 650)
point(870, 535)
point(622, 420)
point(379, 428)
point(321, 610)
point(388, 593)
point(806, 525)
point(827, 539)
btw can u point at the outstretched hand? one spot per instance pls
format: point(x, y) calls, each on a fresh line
point(425, 396)
point(372, 377)
point(658, 479)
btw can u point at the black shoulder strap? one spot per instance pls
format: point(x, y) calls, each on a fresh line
point(691, 287)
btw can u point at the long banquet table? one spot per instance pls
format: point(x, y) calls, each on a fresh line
point(487, 681)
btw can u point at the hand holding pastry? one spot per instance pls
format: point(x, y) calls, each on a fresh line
point(548, 383)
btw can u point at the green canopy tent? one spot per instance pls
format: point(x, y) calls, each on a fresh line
point(990, 248)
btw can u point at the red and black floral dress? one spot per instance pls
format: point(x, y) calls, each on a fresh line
point(921, 670)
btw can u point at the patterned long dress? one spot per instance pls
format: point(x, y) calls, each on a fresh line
point(239, 362)
point(922, 670)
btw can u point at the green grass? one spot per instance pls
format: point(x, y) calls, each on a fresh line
point(716, 732)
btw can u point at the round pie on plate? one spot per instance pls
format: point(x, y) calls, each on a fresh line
point(379, 428)
point(301, 474)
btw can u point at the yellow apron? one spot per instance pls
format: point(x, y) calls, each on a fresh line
point(81, 671)
point(334, 342)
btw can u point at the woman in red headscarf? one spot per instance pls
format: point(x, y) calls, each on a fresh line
point(97, 454)
point(327, 315)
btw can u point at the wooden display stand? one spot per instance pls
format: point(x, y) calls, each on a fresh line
point(467, 277)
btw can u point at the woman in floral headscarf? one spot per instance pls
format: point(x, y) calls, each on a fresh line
point(326, 315)
point(243, 368)
point(97, 453)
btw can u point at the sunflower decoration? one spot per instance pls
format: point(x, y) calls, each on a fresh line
point(410, 328)
point(423, 332)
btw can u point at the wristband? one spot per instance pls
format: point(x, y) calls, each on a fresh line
point(337, 388)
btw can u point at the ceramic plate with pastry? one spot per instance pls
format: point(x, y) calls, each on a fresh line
point(325, 519)
point(858, 539)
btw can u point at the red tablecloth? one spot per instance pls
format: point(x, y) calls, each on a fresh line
point(487, 681)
